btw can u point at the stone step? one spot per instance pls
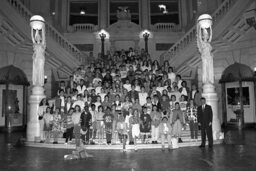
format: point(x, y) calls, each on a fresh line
point(139, 141)
point(114, 147)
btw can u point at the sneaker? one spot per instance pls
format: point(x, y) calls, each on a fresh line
point(135, 148)
point(65, 143)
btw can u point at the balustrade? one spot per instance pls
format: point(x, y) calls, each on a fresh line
point(190, 36)
point(50, 31)
point(84, 27)
point(166, 27)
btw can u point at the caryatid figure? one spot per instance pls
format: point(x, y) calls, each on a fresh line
point(39, 46)
point(204, 37)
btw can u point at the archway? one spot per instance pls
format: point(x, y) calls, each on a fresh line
point(238, 95)
point(13, 98)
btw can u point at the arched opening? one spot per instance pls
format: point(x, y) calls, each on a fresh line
point(13, 98)
point(238, 95)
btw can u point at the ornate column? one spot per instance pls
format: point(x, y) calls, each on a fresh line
point(144, 13)
point(103, 14)
point(39, 45)
point(204, 37)
point(183, 12)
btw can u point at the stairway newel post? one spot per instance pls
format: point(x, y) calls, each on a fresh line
point(204, 37)
point(39, 45)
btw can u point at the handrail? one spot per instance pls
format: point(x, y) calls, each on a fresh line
point(50, 31)
point(190, 36)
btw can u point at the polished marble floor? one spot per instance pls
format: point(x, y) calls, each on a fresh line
point(239, 154)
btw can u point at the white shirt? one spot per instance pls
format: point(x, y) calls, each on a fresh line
point(98, 90)
point(193, 94)
point(160, 89)
point(172, 76)
point(62, 104)
point(179, 84)
point(79, 103)
point(81, 89)
point(48, 118)
point(127, 87)
point(76, 118)
point(93, 113)
point(68, 106)
point(123, 74)
point(184, 91)
point(143, 98)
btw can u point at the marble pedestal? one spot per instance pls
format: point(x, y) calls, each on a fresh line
point(33, 127)
point(211, 97)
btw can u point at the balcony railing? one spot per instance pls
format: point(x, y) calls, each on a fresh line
point(166, 27)
point(83, 28)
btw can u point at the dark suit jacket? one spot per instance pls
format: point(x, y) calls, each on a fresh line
point(204, 116)
point(133, 94)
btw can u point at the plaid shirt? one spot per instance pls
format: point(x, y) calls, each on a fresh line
point(192, 113)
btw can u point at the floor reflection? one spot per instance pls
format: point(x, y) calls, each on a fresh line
point(234, 156)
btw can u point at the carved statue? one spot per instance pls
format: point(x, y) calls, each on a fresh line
point(123, 13)
point(39, 45)
point(204, 37)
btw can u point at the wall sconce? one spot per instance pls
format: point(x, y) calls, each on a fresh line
point(146, 35)
point(103, 35)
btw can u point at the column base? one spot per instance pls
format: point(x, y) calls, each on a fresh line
point(33, 126)
point(211, 97)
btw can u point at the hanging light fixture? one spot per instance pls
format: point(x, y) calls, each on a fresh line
point(82, 11)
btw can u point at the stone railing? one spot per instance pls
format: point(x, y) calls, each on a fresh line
point(84, 28)
point(50, 31)
point(190, 36)
point(166, 27)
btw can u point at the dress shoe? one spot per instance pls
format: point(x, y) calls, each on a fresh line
point(180, 141)
point(210, 146)
point(201, 146)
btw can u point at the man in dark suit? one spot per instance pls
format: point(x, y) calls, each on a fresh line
point(204, 114)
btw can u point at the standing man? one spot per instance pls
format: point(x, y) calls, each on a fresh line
point(204, 114)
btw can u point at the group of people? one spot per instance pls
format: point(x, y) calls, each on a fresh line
point(122, 97)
